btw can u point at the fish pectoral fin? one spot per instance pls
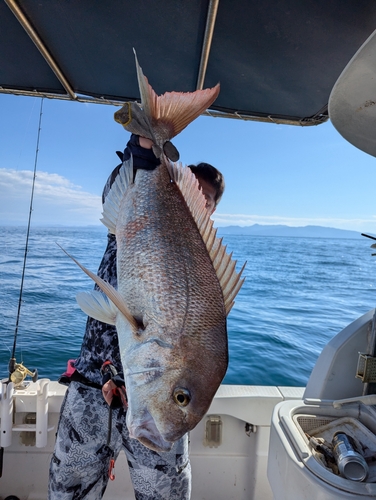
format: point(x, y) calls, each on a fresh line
point(111, 206)
point(96, 305)
point(110, 291)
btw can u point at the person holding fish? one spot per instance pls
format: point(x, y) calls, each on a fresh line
point(84, 411)
point(159, 328)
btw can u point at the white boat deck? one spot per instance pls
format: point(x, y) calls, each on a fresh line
point(236, 469)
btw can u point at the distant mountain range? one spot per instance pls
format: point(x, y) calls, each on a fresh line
point(280, 230)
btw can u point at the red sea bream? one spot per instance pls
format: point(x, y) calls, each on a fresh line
point(176, 283)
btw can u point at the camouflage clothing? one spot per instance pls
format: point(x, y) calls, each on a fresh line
point(100, 342)
point(80, 463)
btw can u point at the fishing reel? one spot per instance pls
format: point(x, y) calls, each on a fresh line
point(18, 372)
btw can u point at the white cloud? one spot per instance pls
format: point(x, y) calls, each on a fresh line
point(56, 200)
point(358, 224)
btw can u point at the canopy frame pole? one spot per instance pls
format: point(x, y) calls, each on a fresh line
point(25, 23)
point(208, 37)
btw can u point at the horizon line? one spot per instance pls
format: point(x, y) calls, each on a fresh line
point(38, 225)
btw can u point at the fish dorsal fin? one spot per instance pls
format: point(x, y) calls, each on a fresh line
point(173, 111)
point(111, 205)
point(110, 291)
point(223, 263)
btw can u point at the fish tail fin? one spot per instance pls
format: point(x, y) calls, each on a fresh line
point(173, 110)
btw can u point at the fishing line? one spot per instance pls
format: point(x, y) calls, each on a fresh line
point(12, 361)
point(5, 345)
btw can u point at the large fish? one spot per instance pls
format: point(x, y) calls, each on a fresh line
point(176, 283)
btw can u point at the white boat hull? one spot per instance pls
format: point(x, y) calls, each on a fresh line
point(229, 449)
point(236, 469)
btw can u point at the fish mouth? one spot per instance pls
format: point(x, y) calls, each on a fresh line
point(142, 425)
point(148, 434)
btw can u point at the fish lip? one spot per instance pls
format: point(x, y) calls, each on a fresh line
point(149, 439)
point(146, 431)
point(143, 427)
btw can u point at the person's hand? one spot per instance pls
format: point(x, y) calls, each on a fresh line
point(145, 143)
point(108, 391)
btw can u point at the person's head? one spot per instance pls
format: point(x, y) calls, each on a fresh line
point(212, 184)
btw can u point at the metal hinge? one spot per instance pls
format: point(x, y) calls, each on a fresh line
point(366, 369)
point(250, 428)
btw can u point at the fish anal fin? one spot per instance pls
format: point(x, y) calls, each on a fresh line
point(223, 263)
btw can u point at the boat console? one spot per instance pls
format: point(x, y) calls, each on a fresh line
point(324, 446)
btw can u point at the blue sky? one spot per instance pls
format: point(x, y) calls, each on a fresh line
point(275, 174)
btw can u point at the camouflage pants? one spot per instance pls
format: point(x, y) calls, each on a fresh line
point(79, 465)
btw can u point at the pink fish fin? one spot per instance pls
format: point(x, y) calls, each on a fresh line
point(111, 206)
point(173, 111)
point(176, 110)
point(110, 291)
point(223, 263)
point(147, 93)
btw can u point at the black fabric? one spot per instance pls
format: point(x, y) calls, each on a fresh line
point(109, 372)
point(77, 377)
point(142, 159)
point(277, 58)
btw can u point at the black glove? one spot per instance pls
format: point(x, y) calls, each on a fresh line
point(109, 372)
point(142, 158)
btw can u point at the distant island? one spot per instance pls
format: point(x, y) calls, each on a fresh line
point(280, 230)
point(254, 230)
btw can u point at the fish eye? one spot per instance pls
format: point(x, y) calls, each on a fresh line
point(181, 396)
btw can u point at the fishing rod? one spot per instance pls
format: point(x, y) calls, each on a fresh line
point(372, 238)
point(17, 371)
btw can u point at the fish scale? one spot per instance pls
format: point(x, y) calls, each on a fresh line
point(155, 283)
point(170, 308)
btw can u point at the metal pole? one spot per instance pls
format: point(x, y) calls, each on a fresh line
point(208, 37)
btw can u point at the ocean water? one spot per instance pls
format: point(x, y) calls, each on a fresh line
point(298, 294)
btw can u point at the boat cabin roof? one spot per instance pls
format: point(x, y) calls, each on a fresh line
point(276, 60)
